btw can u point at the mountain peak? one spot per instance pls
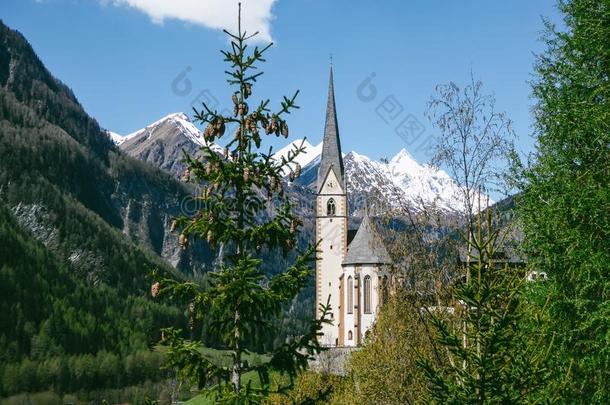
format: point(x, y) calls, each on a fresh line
point(356, 157)
point(311, 153)
point(402, 180)
point(162, 142)
point(402, 155)
point(116, 138)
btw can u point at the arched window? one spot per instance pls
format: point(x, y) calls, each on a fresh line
point(331, 208)
point(367, 294)
point(350, 336)
point(350, 295)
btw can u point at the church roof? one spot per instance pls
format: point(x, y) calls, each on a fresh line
point(331, 148)
point(366, 247)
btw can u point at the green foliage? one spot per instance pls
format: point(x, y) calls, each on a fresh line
point(309, 388)
point(566, 196)
point(243, 209)
point(495, 354)
point(74, 316)
point(398, 339)
point(57, 331)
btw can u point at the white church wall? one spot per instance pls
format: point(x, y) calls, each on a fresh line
point(349, 318)
point(368, 319)
point(331, 230)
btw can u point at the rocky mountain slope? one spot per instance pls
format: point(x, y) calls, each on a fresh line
point(82, 225)
point(396, 184)
point(69, 185)
point(162, 142)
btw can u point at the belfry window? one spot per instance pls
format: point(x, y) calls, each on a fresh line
point(367, 294)
point(350, 295)
point(350, 336)
point(331, 208)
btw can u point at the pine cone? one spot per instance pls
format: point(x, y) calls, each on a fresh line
point(183, 241)
point(208, 133)
point(268, 129)
point(274, 125)
point(246, 174)
point(284, 129)
point(272, 182)
point(293, 227)
point(242, 109)
point(208, 168)
point(219, 126)
point(186, 176)
point(154, 289)
point(226, 153)
point(235, 99)
point(247, 90)
point(210, 237)
point(297, 170)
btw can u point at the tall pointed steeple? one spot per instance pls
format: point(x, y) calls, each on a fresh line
point(331, 150)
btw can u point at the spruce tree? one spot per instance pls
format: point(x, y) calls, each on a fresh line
point(245, 210)
point(565, 205)
point(494, 354)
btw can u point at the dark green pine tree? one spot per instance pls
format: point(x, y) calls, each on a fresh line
point(565, 205)
point(244, 209)
point(494, 355)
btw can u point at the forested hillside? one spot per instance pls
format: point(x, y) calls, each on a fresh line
point(49, 146)
point(81, 228)
point(82, 225)
point(62, 333)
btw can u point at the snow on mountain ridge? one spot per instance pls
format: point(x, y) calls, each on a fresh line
point(400, 180)
point(181, 121)
point(116, 138)
point(308, 156)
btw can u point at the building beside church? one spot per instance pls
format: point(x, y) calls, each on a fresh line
point(351, 275)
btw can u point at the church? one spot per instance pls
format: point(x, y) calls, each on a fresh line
point(352, 275)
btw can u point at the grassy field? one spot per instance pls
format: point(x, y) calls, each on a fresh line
point(224, 358)
point(199, 400)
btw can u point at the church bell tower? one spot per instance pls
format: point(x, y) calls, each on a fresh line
point(331, 222)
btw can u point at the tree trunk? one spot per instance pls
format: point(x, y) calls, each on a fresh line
point(236, 372)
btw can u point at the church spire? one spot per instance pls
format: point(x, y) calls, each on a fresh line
point(331, 149)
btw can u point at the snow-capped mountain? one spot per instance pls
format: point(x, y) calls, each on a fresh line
point(310, 154)
point(384, 184)
point(161, 143)
point(116, 138)
point(402, 180)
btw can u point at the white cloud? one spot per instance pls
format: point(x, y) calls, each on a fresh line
point(215, 14)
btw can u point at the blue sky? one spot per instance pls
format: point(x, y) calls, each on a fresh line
point(128, 69)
